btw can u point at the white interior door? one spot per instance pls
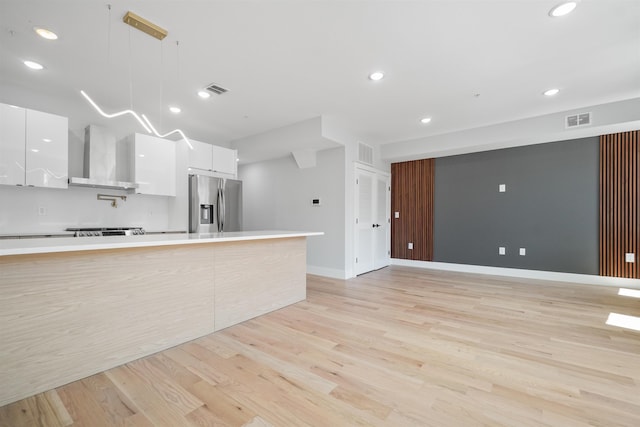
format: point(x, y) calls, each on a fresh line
point(365, 181)
point(382, 230)
point(372, 207)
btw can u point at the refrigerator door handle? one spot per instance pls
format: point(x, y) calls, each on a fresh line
point(218, 214)
point(223, 209)
point(193, 205)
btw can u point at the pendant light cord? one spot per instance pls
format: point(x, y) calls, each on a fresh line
point(161, 83)
point(130, 73)
point(108, 35)
point(177, 61)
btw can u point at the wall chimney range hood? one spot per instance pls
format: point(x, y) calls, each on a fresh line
point(100, 161)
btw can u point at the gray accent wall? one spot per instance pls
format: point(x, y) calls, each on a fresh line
point(550, 207)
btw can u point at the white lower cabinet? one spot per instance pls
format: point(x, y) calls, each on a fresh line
point(33, 148)
point(152, 164)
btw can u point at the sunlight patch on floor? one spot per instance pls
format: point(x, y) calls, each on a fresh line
point(624, 321)
point(629, 292)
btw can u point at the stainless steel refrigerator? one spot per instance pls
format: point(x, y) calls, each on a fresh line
point(215, 204)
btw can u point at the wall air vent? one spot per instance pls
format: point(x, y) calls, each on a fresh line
point(365, 153)
point(575, 120)
point(218, 90)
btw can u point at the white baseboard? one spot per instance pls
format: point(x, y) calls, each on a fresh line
point(333, 273)
point(586, 279)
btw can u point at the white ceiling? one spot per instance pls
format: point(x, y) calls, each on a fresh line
point(288, 61)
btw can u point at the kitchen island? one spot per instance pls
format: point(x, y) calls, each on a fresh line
point(72, 307)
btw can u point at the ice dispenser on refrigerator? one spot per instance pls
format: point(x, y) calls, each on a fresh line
point(206, 214)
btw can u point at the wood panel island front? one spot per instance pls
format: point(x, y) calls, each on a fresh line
point(73, 307)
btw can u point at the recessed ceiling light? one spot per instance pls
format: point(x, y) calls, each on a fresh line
point(175, 110)
point(46, 34)
point(33, 65)
point(204, 94)
point(425, 120)
point(46, 139)
point(551, 92)
point(563, 9)
point(378, 75)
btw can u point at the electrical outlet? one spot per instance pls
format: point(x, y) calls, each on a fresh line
point(523, 251)
point(409, 245)
point(42, 211)
point(630, 257)
point(502, 250)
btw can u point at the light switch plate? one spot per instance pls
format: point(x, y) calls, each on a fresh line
point(396, 215)
point(630, 257)
point(409, 245)
point(523, 251)
point(502, 250)
point(502, 188)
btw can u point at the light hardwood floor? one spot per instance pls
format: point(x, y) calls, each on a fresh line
point(396, 347)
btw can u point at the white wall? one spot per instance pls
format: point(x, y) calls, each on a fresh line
point(76, 207)
point(20, 207)
point(278, 194)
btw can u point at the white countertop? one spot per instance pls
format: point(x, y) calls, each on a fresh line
point(69, 244)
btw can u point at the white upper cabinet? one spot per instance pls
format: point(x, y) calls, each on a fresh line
point(12, 137)
point(153, 165)
point(201, 155)
point(213, 160)
point(33, 148)
point(47, 150)
point(224, 160)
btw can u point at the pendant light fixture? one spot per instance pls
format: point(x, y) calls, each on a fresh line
point(155, 31)
point(118, 114)
point(145, 26)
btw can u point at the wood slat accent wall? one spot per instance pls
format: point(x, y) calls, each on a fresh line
point(412, 190)
point(619, 198)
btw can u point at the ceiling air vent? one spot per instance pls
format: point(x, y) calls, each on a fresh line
point(218, 90)
point(365, 153)
point(575, 120)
